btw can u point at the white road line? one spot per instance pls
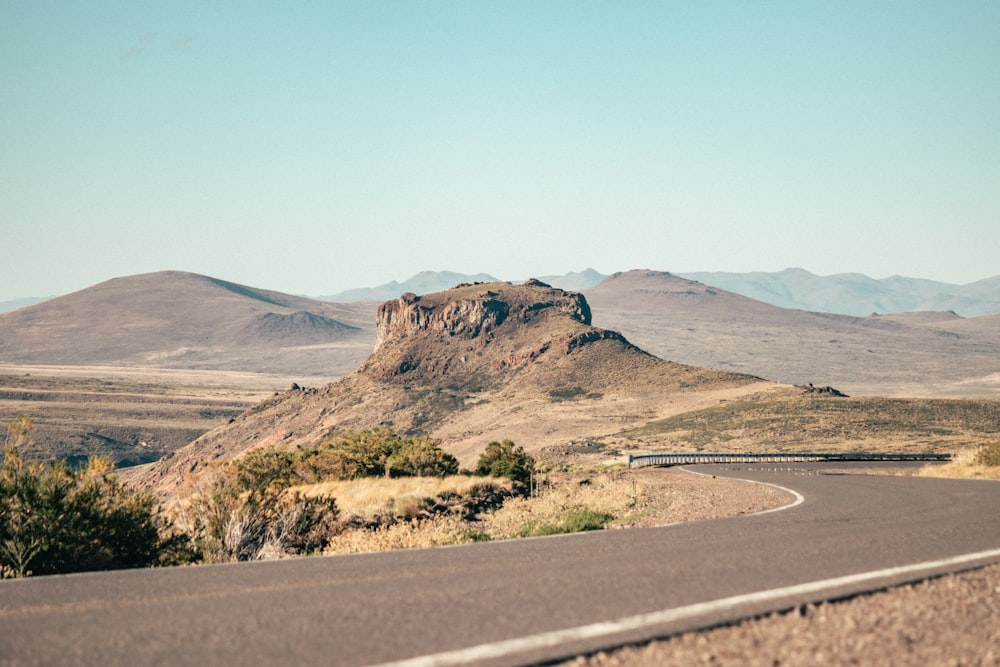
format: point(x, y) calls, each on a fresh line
point(798, 499)
point(512, 647)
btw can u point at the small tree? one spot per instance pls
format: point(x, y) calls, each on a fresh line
point(504, 459)
point(55, 520)
point(420, 457)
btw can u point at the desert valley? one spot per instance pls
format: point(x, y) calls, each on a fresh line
point(141, 366)
point(175, 376)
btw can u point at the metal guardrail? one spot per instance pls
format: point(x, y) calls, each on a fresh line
point(675, 459)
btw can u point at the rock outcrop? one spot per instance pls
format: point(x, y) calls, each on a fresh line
point(472, 364)
point(478, 333)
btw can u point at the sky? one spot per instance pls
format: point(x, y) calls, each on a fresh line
point(313, 147)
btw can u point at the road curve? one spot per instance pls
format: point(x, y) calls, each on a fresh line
point(513, 602)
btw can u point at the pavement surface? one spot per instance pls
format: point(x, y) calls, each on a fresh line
point(516, 602)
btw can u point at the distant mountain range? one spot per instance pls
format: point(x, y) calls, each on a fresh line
point(857, 294)
point(426, 282)
point(181, 320)
point(842, 294)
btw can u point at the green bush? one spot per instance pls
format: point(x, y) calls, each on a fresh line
point(503, 459)
point(56, 520)
point(578, 521)
point(989, 455)
point(374, 453)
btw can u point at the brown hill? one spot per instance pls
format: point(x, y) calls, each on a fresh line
point(478, 363)
point(174, 319)
point(684, 320)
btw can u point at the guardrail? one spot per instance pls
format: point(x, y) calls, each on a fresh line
point(676, 459)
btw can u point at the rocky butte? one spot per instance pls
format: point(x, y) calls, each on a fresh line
point(472, 364)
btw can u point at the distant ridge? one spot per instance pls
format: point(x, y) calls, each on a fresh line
point(426, 282)
point(857, 294)
point(422, 283)
point(14, 304)
point(174, 319)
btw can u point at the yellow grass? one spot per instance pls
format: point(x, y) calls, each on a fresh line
point(378, 495)
point(963, 465)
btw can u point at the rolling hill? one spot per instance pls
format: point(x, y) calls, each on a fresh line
point(926, 354)
point(174, 319)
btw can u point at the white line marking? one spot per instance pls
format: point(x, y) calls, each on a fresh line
point(608, 628)
point(799, 499)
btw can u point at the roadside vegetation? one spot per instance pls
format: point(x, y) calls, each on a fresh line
point(982, 462)
point(354, 492)
point(55, 519)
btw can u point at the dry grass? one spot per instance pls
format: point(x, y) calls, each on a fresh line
point(374, 496)
point(634, 497)
point(964, 464)
point(415, 534)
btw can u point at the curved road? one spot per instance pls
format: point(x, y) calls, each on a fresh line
point(513, 602)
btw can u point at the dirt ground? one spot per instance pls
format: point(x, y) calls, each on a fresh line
point(951, 620)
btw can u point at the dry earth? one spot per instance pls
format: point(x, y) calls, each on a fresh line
point(951, 620)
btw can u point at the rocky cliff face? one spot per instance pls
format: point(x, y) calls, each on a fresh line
point(479, 329)
point(475, 310)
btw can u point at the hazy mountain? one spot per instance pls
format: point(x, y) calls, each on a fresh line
point(184, 320)
point(857, 294)
point(480, 363)
point(7, 306)
point(422, 283)
point(576, 281)
point(438, 281)
point(694, 323)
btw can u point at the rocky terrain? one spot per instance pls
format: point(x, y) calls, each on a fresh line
point(473, 364)
point(951, 620)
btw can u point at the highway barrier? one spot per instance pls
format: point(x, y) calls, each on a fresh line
point(677, 459)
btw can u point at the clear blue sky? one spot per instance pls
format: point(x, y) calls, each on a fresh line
point(311, 147)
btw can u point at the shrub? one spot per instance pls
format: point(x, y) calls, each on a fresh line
point(420, 457)
point(989, 455)
point(578, 521)
point(503, 459)
point(56, 520)
point(375, 453)
point(234, 517)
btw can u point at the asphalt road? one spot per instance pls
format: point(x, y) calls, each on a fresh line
point(513, 602)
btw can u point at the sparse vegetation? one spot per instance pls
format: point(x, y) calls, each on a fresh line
point(54, 519)
point(989, 455)
point(234, 515)
point(794, 422)
point(374, 453)
point(504, 459)
point(577, 521)
point(981, 462)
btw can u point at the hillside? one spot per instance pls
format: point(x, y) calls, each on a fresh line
point(174, 319)
point(927, 354)
point(478, 363)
